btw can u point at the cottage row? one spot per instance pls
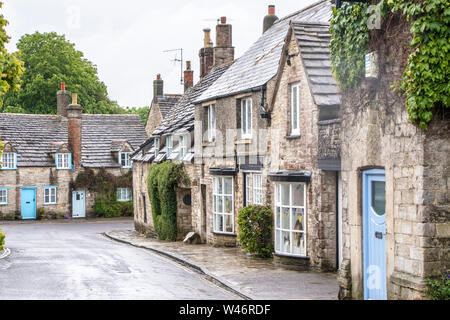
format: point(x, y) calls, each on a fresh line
point(353, 185)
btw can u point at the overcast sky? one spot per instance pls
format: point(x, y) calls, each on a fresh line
point(126, 39)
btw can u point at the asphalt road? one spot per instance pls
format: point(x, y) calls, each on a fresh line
point(75, 262)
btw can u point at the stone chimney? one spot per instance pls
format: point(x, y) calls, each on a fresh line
point(270, 19)
point(158, 87)
point(62, 100)
point(188, 77)
point(74, 116)
point(224, 50)
point(206, 54)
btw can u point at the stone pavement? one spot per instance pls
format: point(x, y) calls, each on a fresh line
point(254, 278)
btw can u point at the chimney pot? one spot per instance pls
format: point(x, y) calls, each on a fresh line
point(75, 99)
point(188, 77)
point(270, 19)
point(271, 9)
point(63, 86)
point(223, 20)
point(158, 87)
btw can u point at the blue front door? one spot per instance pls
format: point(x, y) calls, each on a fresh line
point(374, 225)
point(28, 203)
point(79, 204)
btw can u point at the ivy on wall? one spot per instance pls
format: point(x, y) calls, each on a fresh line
point(426, 80)
point(162, 185)
point(105, 185)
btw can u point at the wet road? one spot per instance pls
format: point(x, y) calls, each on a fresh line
point(75, 262)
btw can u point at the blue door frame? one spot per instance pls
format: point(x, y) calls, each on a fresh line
point(374, 234)
point(28, 203)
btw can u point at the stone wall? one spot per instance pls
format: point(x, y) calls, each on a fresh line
point(154, 118)
point(376, 133)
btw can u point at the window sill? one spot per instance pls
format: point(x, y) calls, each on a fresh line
point(231, 235)
point(282, 255)
point(7, 169)
point(243, 141)
point(50, 204)
point(293, 137)
point(209, 144)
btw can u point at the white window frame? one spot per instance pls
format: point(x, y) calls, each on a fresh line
point(50, 195)
point(220, 212)
point(212, 122)
point(246, 118)
point(157, 145)
point(169, 144)
point(183, 146)
point(279, 223)
point(8, 161)
point(257, 190)
point(125, 162)
point(124, 195)
point(295, 109)
point(248, 189)
point(3, 196)
point(64, 161)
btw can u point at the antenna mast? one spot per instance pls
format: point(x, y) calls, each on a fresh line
point(178, 60)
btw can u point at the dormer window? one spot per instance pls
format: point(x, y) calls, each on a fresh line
point(63, 161)
point(157, 146)
point(8, 161)
point(183, 146)
point(169, 145)
point(125, 160)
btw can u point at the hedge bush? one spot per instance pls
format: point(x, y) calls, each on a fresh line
point(162, 184)
point(439, 289)
point(2, 240)
point(255, 230)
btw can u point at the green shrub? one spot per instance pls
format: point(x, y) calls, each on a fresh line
point(111, 208)
point(439, 289)
point(2, 239)
point(162, 183)
point(255, 230)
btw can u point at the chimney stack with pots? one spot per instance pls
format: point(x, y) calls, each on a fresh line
point(206, 54)
point(74, 116)
point(158, 87)
point(62, 100)
point(224, 50)
point(188, 77)
point(270, 19)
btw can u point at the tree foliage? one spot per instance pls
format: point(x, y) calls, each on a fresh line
point(11, 67)
point(49, 60)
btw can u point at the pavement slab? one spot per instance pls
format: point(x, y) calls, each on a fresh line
point(258, 279)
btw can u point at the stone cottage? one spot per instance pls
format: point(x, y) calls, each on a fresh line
point(267, 133)
point(172, 140)
point(44, 154)
point(395, 182)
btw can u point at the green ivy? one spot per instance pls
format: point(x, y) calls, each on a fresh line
point(426, 81)
point(255, 230)
point(2, 240)
point(439, 289)
point(349, 43)
point(162, 184)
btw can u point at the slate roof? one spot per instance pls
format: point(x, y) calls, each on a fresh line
point(36, 136)
point(182, 116)
point(260, 63)
point(314, 41)
point(167, 102)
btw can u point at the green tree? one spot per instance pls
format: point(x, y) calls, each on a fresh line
point(142, 112)
point(49, 60)
point(11, 67)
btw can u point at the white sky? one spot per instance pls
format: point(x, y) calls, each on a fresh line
point(126, 39)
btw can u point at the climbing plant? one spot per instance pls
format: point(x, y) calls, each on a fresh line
point(162, 183)
point(105, 185)
point(426, 80)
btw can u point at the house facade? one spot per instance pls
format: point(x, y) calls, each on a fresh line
point(44, 154)
point(395, 182)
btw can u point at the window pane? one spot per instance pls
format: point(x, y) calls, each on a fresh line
point(298, 196)
point(228, 186)
point(228, 223)
point(379, 197)
point(219, 204)
point(298, 243)
point(277, 217)
point(228, 205)
point(277, 241)
point(285, 216)
point(286, 242)
point(218, 223)
point(285, 194)
point(219, 186)
point(298, 219)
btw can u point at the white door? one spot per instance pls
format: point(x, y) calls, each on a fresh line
point(79, 204)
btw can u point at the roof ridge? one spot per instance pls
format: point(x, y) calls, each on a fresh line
point(300, 11)
point(322, 24)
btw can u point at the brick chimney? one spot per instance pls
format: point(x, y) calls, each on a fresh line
point(62, 100)
point(74, 116)
point(270, 19)
point(206, 54)
point(224, 50)
point(188, 77)
point(158, 87)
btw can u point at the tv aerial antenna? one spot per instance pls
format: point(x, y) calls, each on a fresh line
point(175, 60)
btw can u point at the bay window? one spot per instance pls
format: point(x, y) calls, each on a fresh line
point(223, 205)
point(290, 219)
